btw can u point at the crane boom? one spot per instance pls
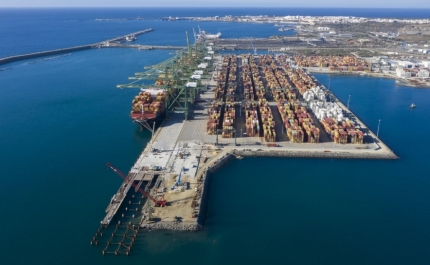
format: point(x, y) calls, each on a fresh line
point(161, 202)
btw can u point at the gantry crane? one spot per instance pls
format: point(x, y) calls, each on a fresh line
point(159, 203)
point(175, 76)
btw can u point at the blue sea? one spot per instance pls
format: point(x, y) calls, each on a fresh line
point(63, 119)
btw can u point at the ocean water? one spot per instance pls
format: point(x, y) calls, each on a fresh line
point(63, 119)
point(32, 30)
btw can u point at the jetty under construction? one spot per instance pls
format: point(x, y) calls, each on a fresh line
point(217, 107)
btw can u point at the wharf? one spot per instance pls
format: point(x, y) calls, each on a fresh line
point(176, 166)
point(184, 148)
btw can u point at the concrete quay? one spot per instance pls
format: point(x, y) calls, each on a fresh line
point(183, 149)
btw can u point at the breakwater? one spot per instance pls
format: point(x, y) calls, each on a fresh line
point(44, 53)
point(15, 58)
point(314, 154)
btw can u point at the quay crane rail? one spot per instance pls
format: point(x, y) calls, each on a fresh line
point(159, 203)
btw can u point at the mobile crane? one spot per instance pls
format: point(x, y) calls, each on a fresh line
point(158, 203)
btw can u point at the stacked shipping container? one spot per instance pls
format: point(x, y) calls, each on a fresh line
point(229, 101)
point(215, 109)
point(342, 133)
point(214, 113)
point(342, 63)
point(148, 105)
point(252, 124)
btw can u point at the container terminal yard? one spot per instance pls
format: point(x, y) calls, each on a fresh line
point(204, 109)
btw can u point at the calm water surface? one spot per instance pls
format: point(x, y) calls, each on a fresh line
point(63, 119)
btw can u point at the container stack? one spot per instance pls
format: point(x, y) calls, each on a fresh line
point(157, 106)
point(299, 78)
point(232, 78)
point(141, 102)
point(295, 133)
point(252, 124)
point(228, 113)
point(231, 93)
point(352, 136)
point(312, 133)
point(348, 124)
point(214, 113)
point(282, 79)
point(331, 115)
point(233, 69)
point(298, 123)
point(268, 65)
point(315, 93)
point(219, 89)
point(258, 83)
point(228, 121)
point(247, 82)
point(344, 132)
point(148, 105)
point(268, 122)
point(359, 137)
point(272, 82)
point(162, 82)
point(334, 63)
point(340, 136)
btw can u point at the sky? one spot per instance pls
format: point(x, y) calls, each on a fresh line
point(218, 3)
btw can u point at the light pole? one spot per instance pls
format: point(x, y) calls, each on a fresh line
point(349, 98)
point(377, 132)
point(241, 136)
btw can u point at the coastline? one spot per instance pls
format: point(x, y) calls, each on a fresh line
point(402, 81)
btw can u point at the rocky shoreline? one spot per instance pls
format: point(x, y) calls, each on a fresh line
point(180, 226)
point(309, 154)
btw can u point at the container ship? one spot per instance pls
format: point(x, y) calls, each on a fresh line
point(148, 106)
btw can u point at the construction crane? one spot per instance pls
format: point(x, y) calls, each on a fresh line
point(179, 177)
point(159, 203)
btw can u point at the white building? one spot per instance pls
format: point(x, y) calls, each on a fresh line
point(400, 72)
point(405, 64)
point(426, 64)
point(344, 35)
point(423, 73)
point(385, 68)
point(323, 28)
point(327, 34)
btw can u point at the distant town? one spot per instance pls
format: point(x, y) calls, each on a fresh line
point(307, 19)
point(395, 48)
point(392, 47)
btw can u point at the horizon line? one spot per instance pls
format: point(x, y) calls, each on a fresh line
point(186, 7)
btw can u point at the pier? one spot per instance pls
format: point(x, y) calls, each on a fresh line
point(176, 165)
